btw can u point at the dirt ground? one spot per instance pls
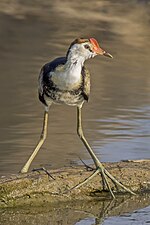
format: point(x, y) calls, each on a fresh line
point(37, 188)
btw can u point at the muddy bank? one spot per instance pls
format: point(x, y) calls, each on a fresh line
point(37, 188)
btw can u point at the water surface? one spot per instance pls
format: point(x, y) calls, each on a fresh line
point(125, 210)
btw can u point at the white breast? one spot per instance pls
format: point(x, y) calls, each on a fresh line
point(67, 77)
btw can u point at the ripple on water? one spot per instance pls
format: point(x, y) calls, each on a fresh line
point(138, 217)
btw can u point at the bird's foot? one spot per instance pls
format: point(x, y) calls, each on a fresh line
point(105, 183)
point(45, 170)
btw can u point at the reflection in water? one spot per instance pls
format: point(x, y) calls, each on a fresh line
point(116, 120)
point(141, 216)
point(80, 213)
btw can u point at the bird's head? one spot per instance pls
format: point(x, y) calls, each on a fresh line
point(86, 48)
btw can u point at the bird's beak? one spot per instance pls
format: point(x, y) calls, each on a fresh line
point(107, 54)
point(98, 50)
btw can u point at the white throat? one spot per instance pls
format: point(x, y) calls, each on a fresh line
point(73, 67)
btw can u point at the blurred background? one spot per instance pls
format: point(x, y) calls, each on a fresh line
point(116, 120)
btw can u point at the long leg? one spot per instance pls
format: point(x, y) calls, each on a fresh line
point(99, 167)
point(40, 143)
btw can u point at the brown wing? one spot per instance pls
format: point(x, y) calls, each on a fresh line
point(86, 83)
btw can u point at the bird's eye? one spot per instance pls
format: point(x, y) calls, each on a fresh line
point(87, 46)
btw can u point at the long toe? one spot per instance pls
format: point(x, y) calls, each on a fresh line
point(106, 178)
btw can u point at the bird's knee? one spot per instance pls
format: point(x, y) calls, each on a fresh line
point(79, 132)
point(43, 137)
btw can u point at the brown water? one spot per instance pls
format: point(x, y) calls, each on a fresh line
point(117, 118)
point(123, 211)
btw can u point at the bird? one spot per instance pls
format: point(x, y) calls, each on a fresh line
point(66, 80)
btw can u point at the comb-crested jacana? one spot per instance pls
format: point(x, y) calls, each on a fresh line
point(66, 80)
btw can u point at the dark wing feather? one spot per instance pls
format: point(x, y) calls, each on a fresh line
point(86, 83)
point(45, 82)
point(50, 67)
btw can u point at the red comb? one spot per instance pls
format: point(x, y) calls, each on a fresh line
point(94, 43)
